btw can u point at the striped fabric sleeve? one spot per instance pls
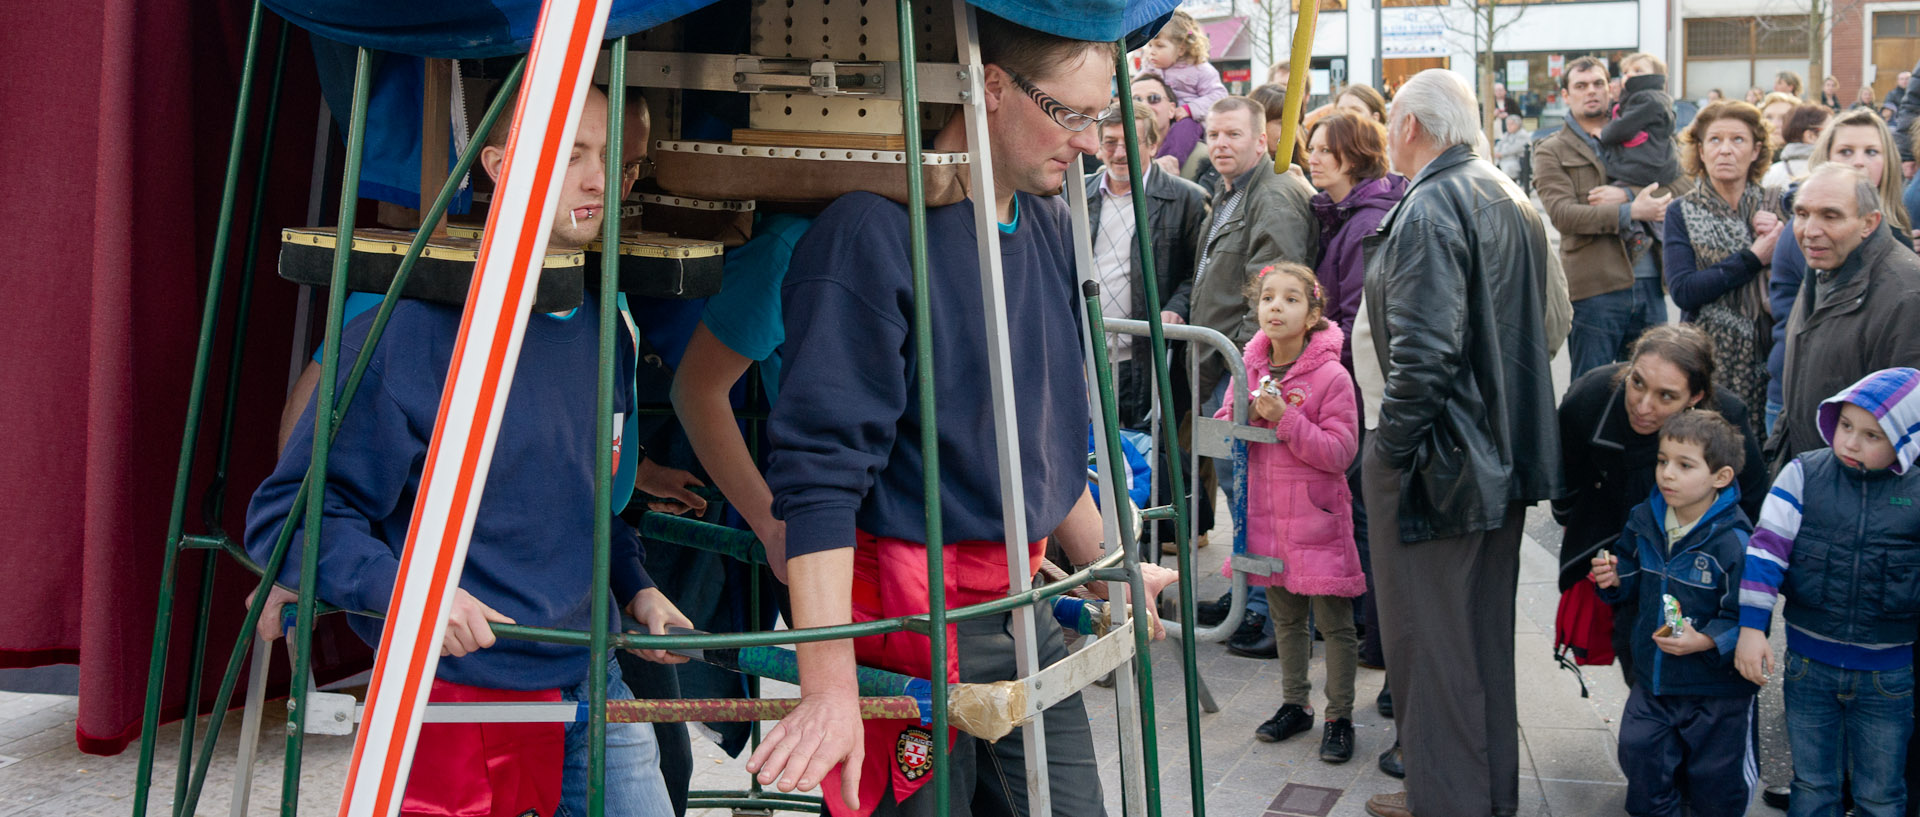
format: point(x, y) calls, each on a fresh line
point(1771, 548)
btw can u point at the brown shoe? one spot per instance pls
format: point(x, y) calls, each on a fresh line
point(1200, 541)
point(1388, 805)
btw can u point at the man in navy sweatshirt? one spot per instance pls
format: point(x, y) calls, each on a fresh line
point(530, 557)
point(845, 468)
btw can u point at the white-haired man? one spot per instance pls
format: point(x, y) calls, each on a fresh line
point(1455, 311)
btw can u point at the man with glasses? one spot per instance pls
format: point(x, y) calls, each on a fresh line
point(845, 469)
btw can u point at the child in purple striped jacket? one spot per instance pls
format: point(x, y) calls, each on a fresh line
point(1839, 536)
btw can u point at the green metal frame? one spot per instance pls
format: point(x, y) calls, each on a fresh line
point(330, 404)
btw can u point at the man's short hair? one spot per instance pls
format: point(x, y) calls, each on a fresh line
point(1151, 74)
point(1035, 55)
point(1583, 64)
point(1144, 125)
point(1658, 65)
point(1866, 197)
point(1256, 112)
point(1443, 105)
point(1720, 443)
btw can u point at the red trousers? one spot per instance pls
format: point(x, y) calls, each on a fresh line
point(485, 769)
point(889, 580)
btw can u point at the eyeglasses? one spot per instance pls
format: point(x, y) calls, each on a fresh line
point(637, 169)
point(1149, 99)
point(1062, 115)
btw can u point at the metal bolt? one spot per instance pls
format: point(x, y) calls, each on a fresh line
point(666, 69)
point(339, 717)
point(966, 96)
point(817, 81)
point(876, 78)
point(739, 78)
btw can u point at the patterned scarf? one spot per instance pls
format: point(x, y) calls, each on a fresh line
point(1738, 321)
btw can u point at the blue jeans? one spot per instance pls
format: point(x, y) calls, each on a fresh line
point(1605, 325)
point(635, 787)
point(1848, 724)
point(1223, 471)
point(1773, 415)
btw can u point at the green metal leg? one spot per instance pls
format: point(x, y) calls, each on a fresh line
point(929, 434)
point(603, 428)
point(323, 437)
point(209, 318)
point(1169, 434)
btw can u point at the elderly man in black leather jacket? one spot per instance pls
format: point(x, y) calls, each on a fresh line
point(1456, 299)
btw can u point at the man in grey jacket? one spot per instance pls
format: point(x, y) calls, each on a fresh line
point(1259, 218)
point(1458, 290)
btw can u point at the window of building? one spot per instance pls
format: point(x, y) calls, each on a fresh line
point(1737, 53)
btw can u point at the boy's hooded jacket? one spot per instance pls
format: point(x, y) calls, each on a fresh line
point(1843, 543)
point(1701, 572)
point(1299, 508)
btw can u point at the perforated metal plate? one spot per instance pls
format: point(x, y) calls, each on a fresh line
point(848, 30)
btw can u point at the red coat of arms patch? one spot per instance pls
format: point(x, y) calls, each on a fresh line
point(914, 752)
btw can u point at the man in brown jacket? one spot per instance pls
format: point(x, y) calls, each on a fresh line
point(1616, 293)
point(1859, 307)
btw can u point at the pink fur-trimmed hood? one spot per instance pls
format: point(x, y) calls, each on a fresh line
point(1323, 347)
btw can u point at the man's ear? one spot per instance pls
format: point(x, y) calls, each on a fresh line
point(491, 158)
point(995, 83)
point(1873, 223)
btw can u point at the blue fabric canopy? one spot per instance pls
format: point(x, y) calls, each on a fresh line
point(493, 28)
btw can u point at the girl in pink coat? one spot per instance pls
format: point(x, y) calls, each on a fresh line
point(1299, 508)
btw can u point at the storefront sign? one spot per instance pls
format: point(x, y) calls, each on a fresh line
point(1556, 64)
point(1517, 80)
point(1412, 32)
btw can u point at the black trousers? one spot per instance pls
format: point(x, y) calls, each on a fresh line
point(1699, 749)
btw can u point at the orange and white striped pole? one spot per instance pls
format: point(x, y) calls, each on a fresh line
point(559, 70)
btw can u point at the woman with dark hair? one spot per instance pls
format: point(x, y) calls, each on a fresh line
point(1347, 161)
point(1803, 127)
point(1719, 244)
point(1610, 423)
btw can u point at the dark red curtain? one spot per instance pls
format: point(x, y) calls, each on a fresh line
point(117, 117)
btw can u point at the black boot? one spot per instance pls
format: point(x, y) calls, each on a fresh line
point(1211, 613)
point(1290, 720)
point(1390, 763)
point(1336, 746)
point(1384, 702)
point(1252, 639)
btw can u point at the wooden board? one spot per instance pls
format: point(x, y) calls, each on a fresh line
point(819, 139)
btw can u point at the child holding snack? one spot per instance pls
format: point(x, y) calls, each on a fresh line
point(1179, 52)
point(1840, 537)
point(1687, 732)
point(1298, 505)
point(1637, 146)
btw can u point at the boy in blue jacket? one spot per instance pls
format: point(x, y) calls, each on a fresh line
point(1687, 732)
point(1840, 536)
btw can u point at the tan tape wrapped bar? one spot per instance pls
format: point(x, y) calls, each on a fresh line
point(986, 711)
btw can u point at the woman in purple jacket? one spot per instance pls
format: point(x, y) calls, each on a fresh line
point(1347, 158)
